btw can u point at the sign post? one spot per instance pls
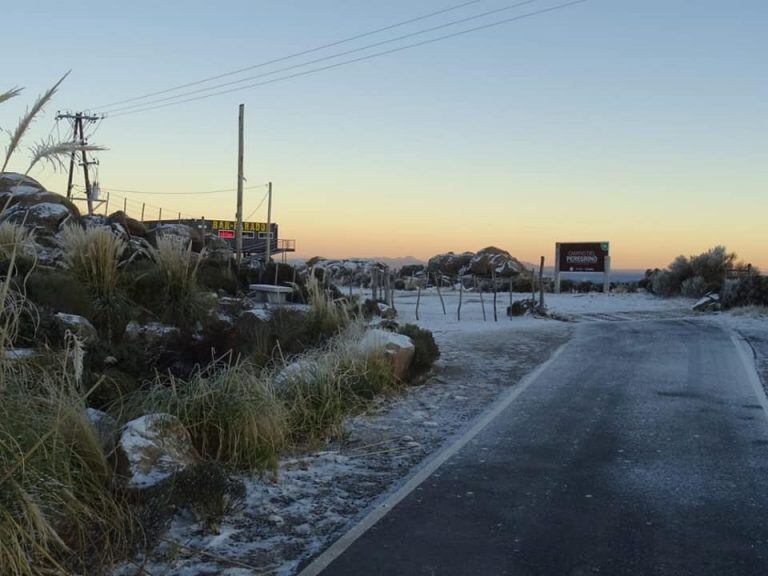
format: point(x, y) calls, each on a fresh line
point(583, 257)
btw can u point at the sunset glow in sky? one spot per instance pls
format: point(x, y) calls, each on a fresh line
point(644, 123)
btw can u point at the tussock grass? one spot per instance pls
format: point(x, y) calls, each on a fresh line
point(92, 256)
point(176, 266)
point(326, 315)
point(16, 242)
point(58, 512)
point(325, 387)
point(232, 413)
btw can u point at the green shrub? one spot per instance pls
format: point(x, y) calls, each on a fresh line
point(427, 351)
point(58, 291)
point(217, 276)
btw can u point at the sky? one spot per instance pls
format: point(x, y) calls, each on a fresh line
point(639, 122)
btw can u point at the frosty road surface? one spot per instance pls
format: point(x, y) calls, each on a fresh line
point(641, 449)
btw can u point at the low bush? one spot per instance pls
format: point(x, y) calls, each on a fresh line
point(694, 276)
point(747, 291)
point(427, 351)
point(217, 276)
point(58, 291)
point(17, 246)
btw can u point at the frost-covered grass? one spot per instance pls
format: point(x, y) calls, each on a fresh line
point(232, 414)
point(58, 511)
point(92, 256)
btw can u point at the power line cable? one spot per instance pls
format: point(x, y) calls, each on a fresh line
point(294, 55)
point(199, 193)
point(257, 207)
point(329, 57)
point(360, 59)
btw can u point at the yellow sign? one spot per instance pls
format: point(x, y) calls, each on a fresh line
point(231, 225)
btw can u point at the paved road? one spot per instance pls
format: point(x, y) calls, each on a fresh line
point(642, 449)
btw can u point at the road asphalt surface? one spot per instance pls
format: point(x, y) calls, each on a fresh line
point(641, 449)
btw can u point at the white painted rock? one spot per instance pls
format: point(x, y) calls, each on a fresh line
point(399, 349)
point(153, 448)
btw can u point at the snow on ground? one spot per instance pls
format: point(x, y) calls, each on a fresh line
point(568, 306)
point(318, 496)
point(752, 325)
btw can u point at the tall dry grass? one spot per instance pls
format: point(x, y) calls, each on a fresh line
point(231, 412)
point(177, 265)
point(26, 120)
point(92, 256)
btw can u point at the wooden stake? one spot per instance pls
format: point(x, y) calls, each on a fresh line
point(541, 284)
point(482, 302)
point(418, 301)
point(106, 205)
point(493, 279)
point(440, 294)
point(461, 293)
point(143, 205)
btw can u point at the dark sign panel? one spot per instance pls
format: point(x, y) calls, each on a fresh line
point(583, 256)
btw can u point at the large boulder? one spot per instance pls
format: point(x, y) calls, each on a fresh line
point(397, 348)
point(491, 259)
point(347, 271)
point(153, 448)
point(42, 212)
point(131, 226)
point(13, 184)
point(187, 234)
point(218, 250)
point(449, 264)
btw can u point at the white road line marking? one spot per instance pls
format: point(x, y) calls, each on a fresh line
point(427, 469)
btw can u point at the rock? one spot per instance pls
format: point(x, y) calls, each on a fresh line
point(387, 312)
point(346, 272)
point(218, 250)
point(155, 335)
point(303, 530)
point(110, 361)
point(42, 212)
point(399, 349)
point(491, 259)
point(131, 226)
point(275, 519)
point(153, 448)
point(14, 184)
point(186, 233)
point(78, 325)
point(449, 264)
point(708, 303)
point(105, 427)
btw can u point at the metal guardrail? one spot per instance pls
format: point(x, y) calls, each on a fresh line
point(286, 245)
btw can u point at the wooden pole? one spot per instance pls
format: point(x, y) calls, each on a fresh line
point(493, 279)
point(106, 205)
point(439, 294)
point(607, 276)
point(557, 268)
point(160, 215)
point(72, 160)
point(239, 214)
point(533, 286)
point(143, 205)
point(482, 302)
point(461, 293)
point(418, 301)
point(268, 251)
point(125, 206)
point(541, 284)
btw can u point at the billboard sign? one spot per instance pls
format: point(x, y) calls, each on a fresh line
point(582, 256)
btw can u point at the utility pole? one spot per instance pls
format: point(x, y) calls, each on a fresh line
point(239, 228)
point(269, 225)
point(78, 136)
